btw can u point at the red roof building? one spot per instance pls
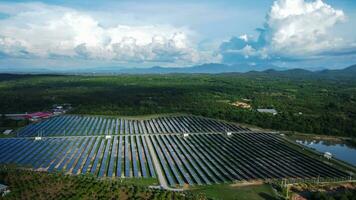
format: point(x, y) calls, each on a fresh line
point(38, 115)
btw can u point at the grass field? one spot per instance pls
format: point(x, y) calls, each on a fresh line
point(227, 191)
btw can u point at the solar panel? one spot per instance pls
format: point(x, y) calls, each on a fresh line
point(103, 166)
point(119, 158)
point(127, 157)
point(134, 156)
point(83, 156)
point(98, 157)
point(141, 156)
point(113, 157)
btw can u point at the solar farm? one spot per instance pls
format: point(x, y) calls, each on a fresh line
point(181, 149)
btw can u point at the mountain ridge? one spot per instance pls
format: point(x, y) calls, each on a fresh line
point(210, 68)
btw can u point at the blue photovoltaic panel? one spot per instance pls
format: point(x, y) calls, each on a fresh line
point(3, 142)
point(162, 161)
point(134, 156)
point(97, 157)
point(77, 154)
point(104, 160)
point(8, 145)
point(113, 157)
point(22, 153)
point(31, 156)
point(69, 155)
point(69, 127)
point(49, 130)
point(43, 158)
point(9, 152)
point(60, 156)
point(193, 159)
point(86, 127)
point(126, 126)
point(59, 129)
point(177, 161)
point(119, 158)
point(91, 156)
point(211, 163)
point(117, 127)
point(97, 126)
point(38, 157)
point(170, 162)
point(121, 126)
point(53, 154)
point(141, 156)
point(92, 129)
point(83, 156)
point(199, 159)
point(148, 156)
point(127, 157)
point(186, 160)
point(102, 127)
point(74, 126)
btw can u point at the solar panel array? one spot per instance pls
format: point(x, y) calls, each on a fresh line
point(119, 156)
point(215, 158)
point(73, 125)
point(206, 156)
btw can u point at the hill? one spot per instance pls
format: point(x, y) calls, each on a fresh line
point(211, 68)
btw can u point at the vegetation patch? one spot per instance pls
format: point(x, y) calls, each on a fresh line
point(227, 191)
point(331, 191)
point(25, 184)
point(306, 104)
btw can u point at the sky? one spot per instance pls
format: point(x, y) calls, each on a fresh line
point(69, 34)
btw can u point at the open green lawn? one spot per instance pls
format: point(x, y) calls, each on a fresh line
point(227, 191)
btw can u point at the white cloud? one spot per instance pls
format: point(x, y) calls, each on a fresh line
point(299, 27)
point(244, 37)
point(293, 30)
point(45, 31)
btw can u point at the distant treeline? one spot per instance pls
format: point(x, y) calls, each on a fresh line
point(311, 104)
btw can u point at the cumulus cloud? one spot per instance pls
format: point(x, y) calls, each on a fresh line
point(293, 29)
point(45, 31)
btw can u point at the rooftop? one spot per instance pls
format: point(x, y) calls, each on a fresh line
point(8, 131)
point(3, 187)
point(263, 110)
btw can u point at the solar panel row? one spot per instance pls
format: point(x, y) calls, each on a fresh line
point(206, 158)
point(216, 158)
point(71, 125)
point(75, 155)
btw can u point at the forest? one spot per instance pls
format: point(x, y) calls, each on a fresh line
point(26, 184)
point(308, 104)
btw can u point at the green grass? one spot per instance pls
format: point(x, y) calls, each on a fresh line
point(227, 191)
point(139, 181)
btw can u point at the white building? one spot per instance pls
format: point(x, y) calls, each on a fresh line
point(270, 111)
point(328, 155)
point(4, 190)
point(7, 132)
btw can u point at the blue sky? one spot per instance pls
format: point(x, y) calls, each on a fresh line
point(75, 34)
